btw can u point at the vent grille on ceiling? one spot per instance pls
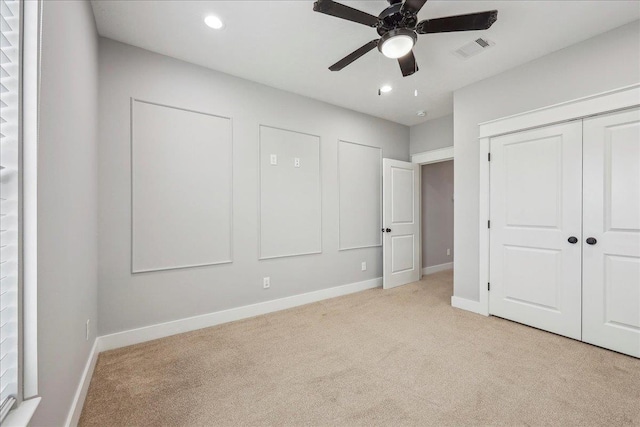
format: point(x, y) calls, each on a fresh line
point(473, 48)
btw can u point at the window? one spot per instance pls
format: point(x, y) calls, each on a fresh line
point(10, 203)
point(19, 41)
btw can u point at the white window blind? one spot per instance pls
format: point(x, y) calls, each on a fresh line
point(10, 201)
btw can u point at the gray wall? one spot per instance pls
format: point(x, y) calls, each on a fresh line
point(602, 63)
point(432, 134)
point(128, 301)
point(437, 213)
point(67, 204)
point(360, 182)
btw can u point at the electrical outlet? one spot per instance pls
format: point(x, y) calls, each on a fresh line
point(448, 252)
point(87, 330)
point(274, 159)
point(266, 282)
point(364, 266)
point(296, 162)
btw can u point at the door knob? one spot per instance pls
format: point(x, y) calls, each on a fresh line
point(383, 230)
point(591, 241)
point(388, 230)
point(573, 240)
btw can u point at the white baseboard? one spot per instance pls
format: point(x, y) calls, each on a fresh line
point(161, 330)
point(469, 305)
point(83, 387)
point(436, 268)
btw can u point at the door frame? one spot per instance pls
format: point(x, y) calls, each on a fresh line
point(602, 103)
point(426, 158)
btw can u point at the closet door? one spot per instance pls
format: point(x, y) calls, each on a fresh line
point(536, 214)
point(611, 268)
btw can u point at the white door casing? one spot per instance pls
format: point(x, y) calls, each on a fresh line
point(400, 215)
point(611, 267)
point(536, 206)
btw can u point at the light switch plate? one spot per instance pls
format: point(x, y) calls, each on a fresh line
point(274, 159)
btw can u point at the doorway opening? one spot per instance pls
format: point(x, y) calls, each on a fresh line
point(437, 217)
point(436, 213)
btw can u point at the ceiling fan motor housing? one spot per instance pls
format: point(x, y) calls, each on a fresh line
point(395, 17)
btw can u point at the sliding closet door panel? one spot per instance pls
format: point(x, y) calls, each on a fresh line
point(611, 269)
point(536, 192)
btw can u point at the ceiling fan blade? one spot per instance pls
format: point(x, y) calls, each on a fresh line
point(329, 7)
point(408, 64)
point(354, 55)
point(413, 5)
point(470, 22)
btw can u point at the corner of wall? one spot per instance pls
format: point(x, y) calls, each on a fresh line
point(67, 207)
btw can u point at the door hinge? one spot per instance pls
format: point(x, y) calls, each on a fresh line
point(488, 157)
point(489, 224)
point(488, 286)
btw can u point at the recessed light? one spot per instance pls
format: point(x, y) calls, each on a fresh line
point(213, 22)
point(421, 113)
point(386, 89)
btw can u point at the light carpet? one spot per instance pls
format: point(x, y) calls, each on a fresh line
point(379, 357)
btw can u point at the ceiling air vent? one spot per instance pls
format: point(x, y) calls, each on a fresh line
point(473, 48)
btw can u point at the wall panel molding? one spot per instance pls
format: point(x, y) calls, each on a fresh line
point(162, 236)
point(290, 197)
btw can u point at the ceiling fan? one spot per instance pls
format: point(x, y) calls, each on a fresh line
point(398, 27)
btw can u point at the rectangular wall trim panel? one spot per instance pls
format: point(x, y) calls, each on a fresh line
point(174, 150)
point(290, 194)
point(360, 195)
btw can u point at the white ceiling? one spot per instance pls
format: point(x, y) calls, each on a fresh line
point(286, 45)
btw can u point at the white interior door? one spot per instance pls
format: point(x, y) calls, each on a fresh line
point(536, 212)
point(611, 268)
point(401, 222)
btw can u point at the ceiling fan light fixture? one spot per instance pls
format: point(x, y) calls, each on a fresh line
point(397, 43)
